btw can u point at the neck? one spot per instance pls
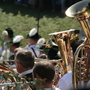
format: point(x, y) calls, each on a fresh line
point(25, 69)
point(32, 42)
point(48, 85)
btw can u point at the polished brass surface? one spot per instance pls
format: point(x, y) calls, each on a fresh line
point(81, 69)
point(77, 8)
point(62, 39)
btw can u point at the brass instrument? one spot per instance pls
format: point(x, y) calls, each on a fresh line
point(5, 74)
point(3, 68)
point(81, 69)
point(62, 39)
point(10, 80)
point(56, 63)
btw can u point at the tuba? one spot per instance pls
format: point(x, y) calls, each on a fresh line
point(81, 62)
point(62, 39)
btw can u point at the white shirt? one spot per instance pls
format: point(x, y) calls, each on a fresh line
point(5, 44)
point(31, 48)
point(88, 84)
point(5, 54)
point(65, 83)
point(25, 72)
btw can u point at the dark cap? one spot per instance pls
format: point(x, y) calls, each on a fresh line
point(10, 32)
point(33, 34)
point(52, 52)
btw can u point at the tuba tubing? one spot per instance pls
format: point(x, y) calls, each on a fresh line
point(81, 70)
point(62, 39)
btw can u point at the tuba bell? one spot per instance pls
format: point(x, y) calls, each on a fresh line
point(81, 62)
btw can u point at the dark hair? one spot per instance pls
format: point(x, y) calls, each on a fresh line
point(45, 70)
point(16, 44)
point(25, 57)
point(75, 44)
point(53, 53)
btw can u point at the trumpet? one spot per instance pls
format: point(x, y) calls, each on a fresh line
point(81, 69)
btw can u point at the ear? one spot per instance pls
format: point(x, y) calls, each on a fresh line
point(37, 76)
point(19, 64)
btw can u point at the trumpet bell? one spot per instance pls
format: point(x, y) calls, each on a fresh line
point(77, 8)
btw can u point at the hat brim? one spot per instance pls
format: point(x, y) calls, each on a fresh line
point(33, 37)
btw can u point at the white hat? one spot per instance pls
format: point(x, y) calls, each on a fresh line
point(40, 43)
point(5, 33)
point(17, 39)
point(33, 33)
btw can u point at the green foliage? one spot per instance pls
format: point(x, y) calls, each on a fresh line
point(22, 19)
point(1, 42)
point(12, 80)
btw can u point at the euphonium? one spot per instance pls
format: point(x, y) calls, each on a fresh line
point(62, 39)
point(81, 69)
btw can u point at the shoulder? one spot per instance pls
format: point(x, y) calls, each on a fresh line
point(31, 46)
point(68, 75)
point(65, 80)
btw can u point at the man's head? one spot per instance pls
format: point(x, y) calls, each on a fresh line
point(44, 70)
point(8, 33)
point(33, 35)
point(16, 42)
point(24, 60)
